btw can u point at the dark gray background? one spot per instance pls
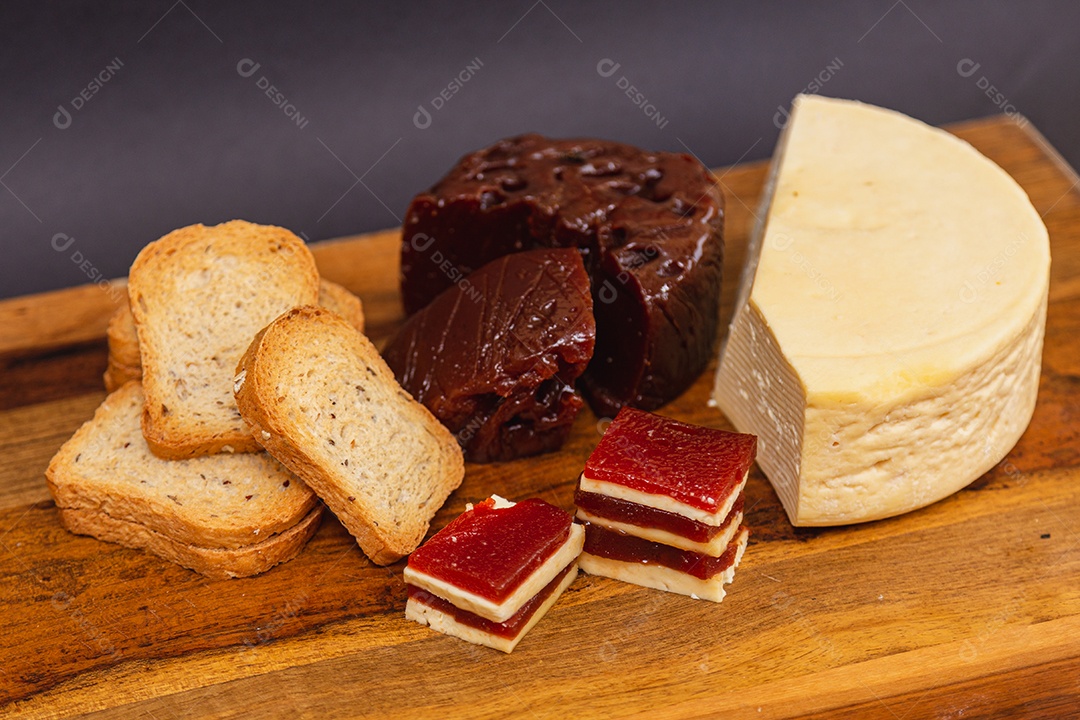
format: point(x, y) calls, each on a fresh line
point(177, 135)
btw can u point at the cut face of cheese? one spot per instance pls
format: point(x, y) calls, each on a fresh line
point(668, 579)
point(442, 616)
point(714, 544)
point(887, 338)
point(663, 502)
point(502, 611)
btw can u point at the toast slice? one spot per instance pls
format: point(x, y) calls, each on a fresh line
point(340, 300)
point(223, 501)
point(214, 563)
point(123, 341)
point(198, 296)
point(125, 363)
point(321, 400)
point(118, 375)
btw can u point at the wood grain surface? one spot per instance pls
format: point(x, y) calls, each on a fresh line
point(967, 608)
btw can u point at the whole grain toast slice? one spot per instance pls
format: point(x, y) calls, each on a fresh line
point(125, 363)
point(215, 563)
point(221, 501)
point(117, 375)
point(321, 400)
point(198, 296)
point(122, 339)
point(340, 300)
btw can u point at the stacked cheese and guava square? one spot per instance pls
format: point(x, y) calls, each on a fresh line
point(888, 331)
point(662, 504)
point(494, 571)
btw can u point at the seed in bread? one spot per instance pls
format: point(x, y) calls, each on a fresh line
point(125, 364)
point(321, 400)
point(218, 501)
point(198, 296)
point(108, 484)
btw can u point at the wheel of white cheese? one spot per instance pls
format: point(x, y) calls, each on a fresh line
point(887, 341)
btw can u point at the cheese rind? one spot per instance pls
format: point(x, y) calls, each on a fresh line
point(886, 347)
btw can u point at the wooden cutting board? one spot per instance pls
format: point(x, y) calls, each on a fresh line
point(968, 607)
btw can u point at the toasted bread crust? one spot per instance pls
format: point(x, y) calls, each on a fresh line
point(215, 563)
point(197, 295)
point(265, 386)
point(123, 341)
point(225, 502)
point(117, 375)
point(125, 362)
point(340, 300)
